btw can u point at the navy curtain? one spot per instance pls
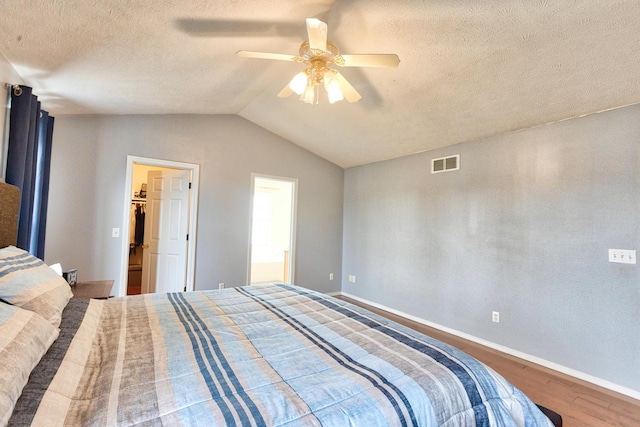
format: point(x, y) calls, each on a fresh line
point(28, 164)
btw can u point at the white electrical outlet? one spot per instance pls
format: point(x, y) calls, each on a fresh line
point(330, 276)
point(220, 285)
point(622, 256)
point(495, 316)
point(352, 278)
point(115, 232)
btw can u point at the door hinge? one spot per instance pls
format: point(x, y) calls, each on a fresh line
point(189, 186)
point(187, 236)
point(185, 289)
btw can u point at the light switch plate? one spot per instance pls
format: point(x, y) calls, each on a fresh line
point(622, 256)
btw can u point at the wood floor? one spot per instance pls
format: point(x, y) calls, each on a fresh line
point(134, 289)
point(580, 404)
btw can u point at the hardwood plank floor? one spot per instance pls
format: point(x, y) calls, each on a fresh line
point(580, 404)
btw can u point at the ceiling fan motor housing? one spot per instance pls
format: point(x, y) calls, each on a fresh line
point(329, 56)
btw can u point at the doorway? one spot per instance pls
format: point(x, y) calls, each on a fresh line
point(272, 235)
point(158, 239)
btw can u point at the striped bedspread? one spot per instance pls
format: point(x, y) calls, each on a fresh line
point(272, 355)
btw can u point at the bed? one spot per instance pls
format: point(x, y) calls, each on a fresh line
point(268, 355)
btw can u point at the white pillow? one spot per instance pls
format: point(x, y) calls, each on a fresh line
point(24, 338)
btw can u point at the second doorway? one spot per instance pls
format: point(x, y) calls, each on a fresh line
point(272, 244)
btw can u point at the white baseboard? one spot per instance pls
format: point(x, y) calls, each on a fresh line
point(533, 359)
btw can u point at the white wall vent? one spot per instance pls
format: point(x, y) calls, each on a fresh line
point(445, 164)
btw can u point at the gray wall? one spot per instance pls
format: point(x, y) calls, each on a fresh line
point(523, 228)
point(88, 185)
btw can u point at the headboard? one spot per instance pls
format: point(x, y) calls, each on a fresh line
point(9, 208)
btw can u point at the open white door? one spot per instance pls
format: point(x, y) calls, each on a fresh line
point(165, 231)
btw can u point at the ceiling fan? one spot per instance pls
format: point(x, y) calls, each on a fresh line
point(319, 54)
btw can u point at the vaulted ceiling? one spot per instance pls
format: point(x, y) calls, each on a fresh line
point(469, 68)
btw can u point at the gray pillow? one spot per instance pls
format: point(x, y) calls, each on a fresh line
point(27, 282)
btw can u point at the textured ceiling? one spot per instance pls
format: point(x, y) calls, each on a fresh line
point(469, 68)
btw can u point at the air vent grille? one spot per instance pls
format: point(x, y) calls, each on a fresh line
point(445, 164)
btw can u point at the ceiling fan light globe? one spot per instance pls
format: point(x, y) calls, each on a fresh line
point(298, 83)
point(310, 95)
point(335, 97)
point(332, 86)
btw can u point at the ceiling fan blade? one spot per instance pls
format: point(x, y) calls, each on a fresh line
point(286, 91)
point(349, 92)
point(317, 32)
point(265, 55)
point(371, 60)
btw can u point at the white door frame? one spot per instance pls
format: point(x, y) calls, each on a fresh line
point(294, 219)
point(126, 217)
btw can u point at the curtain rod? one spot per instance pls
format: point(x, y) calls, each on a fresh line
point(16, 87)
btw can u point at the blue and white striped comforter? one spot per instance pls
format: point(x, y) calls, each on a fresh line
point(272, 355)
